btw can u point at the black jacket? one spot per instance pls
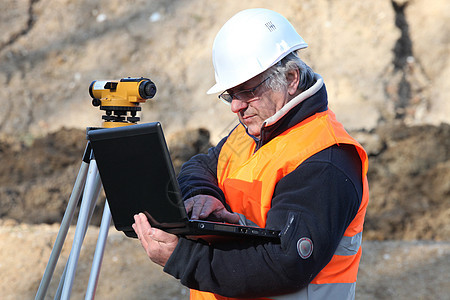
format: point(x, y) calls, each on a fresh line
point(318, 200)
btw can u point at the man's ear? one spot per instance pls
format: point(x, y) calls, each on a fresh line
point(293, 79)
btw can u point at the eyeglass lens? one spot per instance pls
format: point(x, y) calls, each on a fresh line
point(241, 95)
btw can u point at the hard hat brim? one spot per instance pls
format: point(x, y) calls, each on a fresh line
point(220, 87)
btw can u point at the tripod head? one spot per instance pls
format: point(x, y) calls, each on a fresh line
point(118, 97)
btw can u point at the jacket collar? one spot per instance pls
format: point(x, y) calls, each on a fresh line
point(306, 104)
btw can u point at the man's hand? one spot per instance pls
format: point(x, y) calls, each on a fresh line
point(158, 244)
point(204, 206)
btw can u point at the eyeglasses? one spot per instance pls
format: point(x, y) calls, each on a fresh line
point(243, 95)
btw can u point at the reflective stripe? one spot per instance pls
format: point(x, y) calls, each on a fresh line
point(349, 245)
point(344, 291)
point(341, 269)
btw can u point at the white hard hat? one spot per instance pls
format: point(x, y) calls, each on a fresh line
point(249, 43)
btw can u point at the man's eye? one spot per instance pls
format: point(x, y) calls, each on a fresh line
point(247, 94)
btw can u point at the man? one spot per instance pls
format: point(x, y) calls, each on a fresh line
point(289, 165)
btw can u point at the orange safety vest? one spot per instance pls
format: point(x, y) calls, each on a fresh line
point(248, 180)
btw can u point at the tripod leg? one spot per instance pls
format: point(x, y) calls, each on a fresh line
point(91, 211)
point(62, 234)
point(92, 187)
point(99, 251)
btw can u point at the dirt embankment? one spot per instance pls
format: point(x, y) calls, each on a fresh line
point(409, 178)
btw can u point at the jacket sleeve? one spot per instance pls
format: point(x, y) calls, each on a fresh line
point(199, 175)
point(318, 200)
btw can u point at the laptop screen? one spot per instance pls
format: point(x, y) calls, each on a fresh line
point(137, 174)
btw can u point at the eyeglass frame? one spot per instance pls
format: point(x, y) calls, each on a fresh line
point(232, 96)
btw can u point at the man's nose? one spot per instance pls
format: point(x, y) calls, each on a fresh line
point(238, 105)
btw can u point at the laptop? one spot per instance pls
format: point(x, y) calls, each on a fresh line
point(138, 176)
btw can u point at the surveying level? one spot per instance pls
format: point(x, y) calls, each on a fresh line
point(118, 97)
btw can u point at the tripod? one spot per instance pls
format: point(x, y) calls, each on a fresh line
point(89, 179)
point(117, 99)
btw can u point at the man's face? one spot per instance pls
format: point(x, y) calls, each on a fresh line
point(254, 111)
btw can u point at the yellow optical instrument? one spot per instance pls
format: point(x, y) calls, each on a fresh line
point(118, 97)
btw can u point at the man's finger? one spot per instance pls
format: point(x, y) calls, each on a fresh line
point(202, 206)
point(197, 208)
point(209, 207)
point(229, 217)
point(162, 236)
point(188, 204)
point(143, 229)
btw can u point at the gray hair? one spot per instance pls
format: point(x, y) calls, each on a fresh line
point(277, 73)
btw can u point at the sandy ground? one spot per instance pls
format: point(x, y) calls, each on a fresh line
point(389, 269)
